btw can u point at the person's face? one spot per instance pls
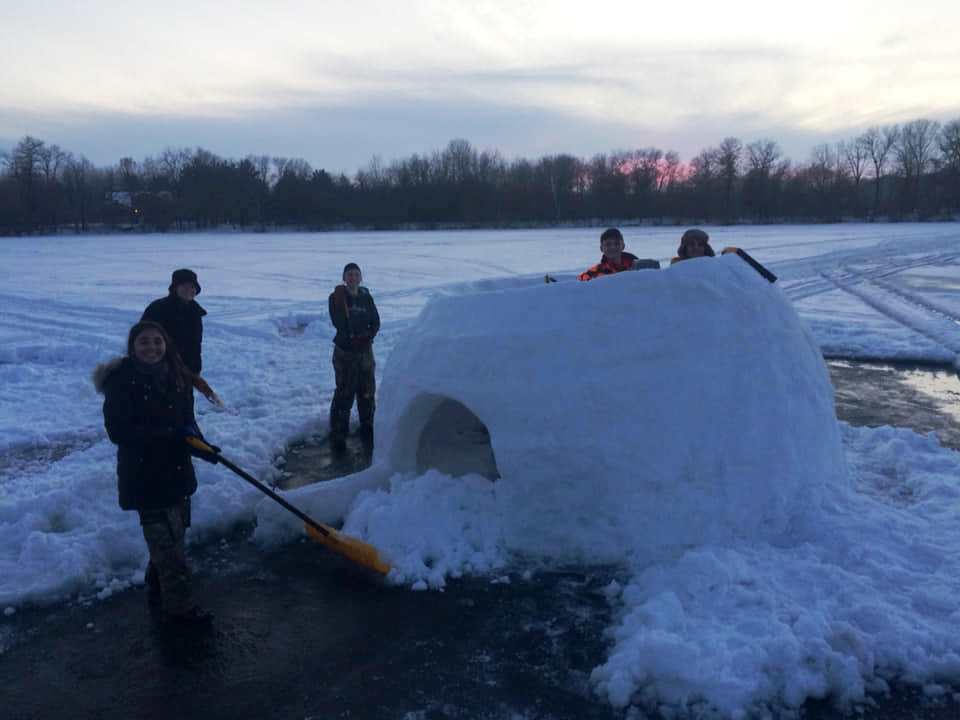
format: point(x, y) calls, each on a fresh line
point(612, 247)
point(186, 291)
point(352, 278)
point(149, 347)
point(696, 248)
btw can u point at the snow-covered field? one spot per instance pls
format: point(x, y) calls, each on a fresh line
point(869, 593)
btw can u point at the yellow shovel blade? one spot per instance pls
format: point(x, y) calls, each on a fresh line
point(351, 548)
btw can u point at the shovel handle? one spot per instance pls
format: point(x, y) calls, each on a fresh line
point(747, 258)
point(202, 446)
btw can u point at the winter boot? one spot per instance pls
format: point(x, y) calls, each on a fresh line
point(366, 437)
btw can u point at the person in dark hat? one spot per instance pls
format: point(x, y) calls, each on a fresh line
point(694, 243)
point(182, 317)
point(355, 317)
point(615, 259)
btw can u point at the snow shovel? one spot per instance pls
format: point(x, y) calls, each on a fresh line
point(745, 256)
point(356, 550)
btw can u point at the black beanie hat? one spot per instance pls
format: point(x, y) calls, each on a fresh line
point(181, 276)
point(350, 266)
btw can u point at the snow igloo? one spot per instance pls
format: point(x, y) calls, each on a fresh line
point(642, 410)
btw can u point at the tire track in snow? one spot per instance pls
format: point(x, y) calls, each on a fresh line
point(916, 299)
point(806, 288)
point(910, 311)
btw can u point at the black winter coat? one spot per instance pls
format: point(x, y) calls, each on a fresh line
point(154, 468)
point(183, 323)
point(357, 322)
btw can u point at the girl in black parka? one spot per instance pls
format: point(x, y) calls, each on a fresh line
point(148, 411)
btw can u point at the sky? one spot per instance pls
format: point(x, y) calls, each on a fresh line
point(337, 82)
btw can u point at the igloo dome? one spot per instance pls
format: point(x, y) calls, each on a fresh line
point(649, 408)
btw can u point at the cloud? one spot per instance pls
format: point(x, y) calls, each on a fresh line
point(344, 136)
point(338, 86)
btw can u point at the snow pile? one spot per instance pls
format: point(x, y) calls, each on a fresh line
point(756, 626)
point(636, 413)
point(461, 533)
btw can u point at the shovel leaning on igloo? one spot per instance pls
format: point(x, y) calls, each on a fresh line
point(356, 550)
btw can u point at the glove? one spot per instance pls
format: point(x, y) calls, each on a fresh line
point(210, 456)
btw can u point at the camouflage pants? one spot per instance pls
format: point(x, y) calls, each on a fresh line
point(354, 373)
point(165, 532)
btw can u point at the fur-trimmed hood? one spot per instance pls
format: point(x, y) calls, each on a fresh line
point(103, 371)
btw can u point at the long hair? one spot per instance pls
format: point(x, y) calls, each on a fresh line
point(178, 371)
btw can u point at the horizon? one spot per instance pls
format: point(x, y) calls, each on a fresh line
point(336, 89)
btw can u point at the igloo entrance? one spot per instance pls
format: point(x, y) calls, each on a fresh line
point(455, 442)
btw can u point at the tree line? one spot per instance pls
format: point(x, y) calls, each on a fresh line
point(908, 171)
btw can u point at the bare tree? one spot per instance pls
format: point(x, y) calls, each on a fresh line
point(373, 176)
point(762, 155)
point(823, 162)
point(172, 162)
point(24, 164)
point(76, 175)
point(761, 177)
point(949, 142)
point(855, 155)
point(261, 165)
point(879, 143)
point(914, 152)
point(295, 168)
point(129, 173)
point(704, 171)
point(729, 158)
point(52, 160)
point(457, 163)
point(916, 147)
point(559, 172)
point(668, 171)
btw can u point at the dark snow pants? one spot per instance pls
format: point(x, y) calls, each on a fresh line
point(354, 373)
point(165, 532)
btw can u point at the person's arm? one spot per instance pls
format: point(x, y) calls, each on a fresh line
point(337, 308)
point(200, 345)
point(374, 318)
point(152, 312)
point(589, 274)
point(208, 392)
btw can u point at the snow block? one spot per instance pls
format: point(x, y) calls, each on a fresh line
point(634, 412)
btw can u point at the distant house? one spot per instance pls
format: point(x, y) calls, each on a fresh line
point(121, 198)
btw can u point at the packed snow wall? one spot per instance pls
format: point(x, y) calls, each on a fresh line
point(642, 410)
